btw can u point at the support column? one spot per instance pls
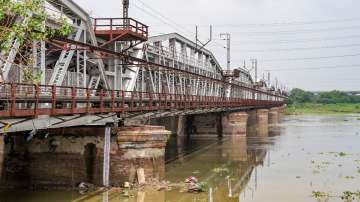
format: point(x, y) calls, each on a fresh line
point(2, 156)
point(274, 116)
point(252, 124)
point(139, 148)
point(181, 127)
point(258, 123)
point(235, 123)
point(262, 117)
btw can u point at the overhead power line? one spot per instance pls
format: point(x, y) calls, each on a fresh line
point(303, 49)
point(314, 68)
point(300, 31)
point(168, 20)
point(303, 40)
point(290, 23)
point(308, 58)
point(157, 17)
point(275, 24)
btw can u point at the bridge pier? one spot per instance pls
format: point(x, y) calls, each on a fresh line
point(235, 123)
point(70, 156)
point(258, 123)
point(274, 115)
point(139, 147)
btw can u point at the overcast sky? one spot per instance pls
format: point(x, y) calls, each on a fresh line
point(310, 44)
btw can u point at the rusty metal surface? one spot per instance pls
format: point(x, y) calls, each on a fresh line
point(24, 100)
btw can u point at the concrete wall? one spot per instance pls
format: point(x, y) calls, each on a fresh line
point(68, 157)
point(176, 125)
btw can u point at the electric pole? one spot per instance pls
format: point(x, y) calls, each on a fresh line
point(226, 36)
point(268, 80)
point(254, 63)
point(126, 5)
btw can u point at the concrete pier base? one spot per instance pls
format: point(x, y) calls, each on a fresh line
point(274, 116)
point(235, 123)
point(67, 157)
point(139, 147)
point(258, 123)
point(262, 117)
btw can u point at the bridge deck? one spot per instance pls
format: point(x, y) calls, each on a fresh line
point(23, 100)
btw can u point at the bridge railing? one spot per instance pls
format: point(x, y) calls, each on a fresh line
point(113, 25)
point(26, 100)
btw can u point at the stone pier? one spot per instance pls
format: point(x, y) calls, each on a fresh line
point(67, 157)
point(274, 116)
point(139, 147)
point(258, 123)
point(262, 117)
point(235, 123)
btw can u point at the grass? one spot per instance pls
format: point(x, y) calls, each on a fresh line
point(313, 108)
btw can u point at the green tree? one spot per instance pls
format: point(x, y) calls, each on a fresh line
point(25, 21)
point(334, 97)
point(300, 96)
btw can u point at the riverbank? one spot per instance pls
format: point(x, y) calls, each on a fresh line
point(312, 108)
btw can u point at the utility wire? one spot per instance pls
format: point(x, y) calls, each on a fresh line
point(309, 58)
point(290, 23)
point(163, 21)
point(169, 22)
point(314, 68)
point(303, 49)
point(163, 16)
point(305, 40)
point(301, 31)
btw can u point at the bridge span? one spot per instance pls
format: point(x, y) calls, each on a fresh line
point(102, 87)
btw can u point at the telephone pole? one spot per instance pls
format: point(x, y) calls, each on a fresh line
point(226, 36)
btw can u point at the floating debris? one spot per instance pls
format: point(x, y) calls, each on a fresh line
point(221, 170)
point(194, 186)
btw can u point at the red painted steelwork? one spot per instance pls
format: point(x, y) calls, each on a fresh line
point(126, 29)
point(24, 100)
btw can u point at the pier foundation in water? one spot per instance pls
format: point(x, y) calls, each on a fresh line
point(67, 157)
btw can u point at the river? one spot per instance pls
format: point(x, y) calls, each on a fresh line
point(301, 156)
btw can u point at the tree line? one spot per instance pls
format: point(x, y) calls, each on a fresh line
point(332, 97)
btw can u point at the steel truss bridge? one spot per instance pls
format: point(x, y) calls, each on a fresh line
point(109, 69)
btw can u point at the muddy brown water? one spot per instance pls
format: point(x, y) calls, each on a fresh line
point(286, 163)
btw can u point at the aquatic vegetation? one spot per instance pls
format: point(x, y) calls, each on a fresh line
point(349, 177)
point(221, 170)
point(320, 196)
point(342, 154)
point(348, 196)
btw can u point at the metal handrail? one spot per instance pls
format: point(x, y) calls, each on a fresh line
point(27, 100)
